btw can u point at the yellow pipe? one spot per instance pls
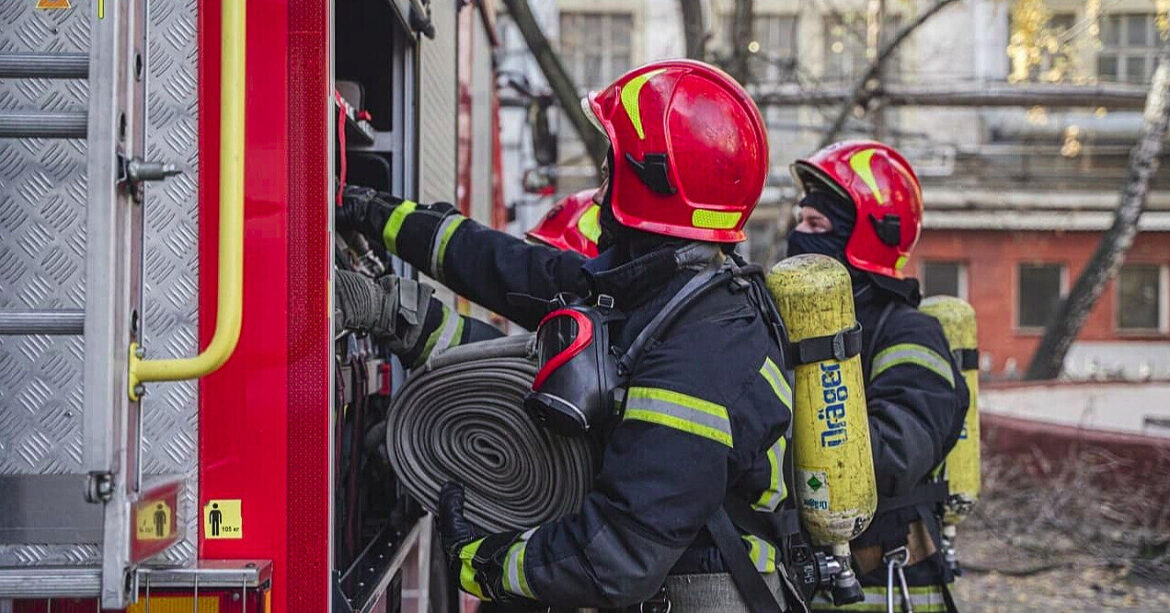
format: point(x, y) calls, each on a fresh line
point(229, 303)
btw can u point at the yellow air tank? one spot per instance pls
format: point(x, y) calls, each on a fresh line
point(962, 468)
point(833, 463)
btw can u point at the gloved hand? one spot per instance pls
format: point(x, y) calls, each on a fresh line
point(477, 561)
point(389, 306)
point(365, 210)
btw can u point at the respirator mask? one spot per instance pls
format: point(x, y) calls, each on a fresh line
point(572, 393)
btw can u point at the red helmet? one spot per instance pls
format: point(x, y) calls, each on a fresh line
point(886, 192)
point(690, 152)
point(571, 224)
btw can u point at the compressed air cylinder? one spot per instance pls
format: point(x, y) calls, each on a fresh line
point(833, 464)
point(962, 466)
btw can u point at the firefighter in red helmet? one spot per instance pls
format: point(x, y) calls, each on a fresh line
point(701, 386)
point(572, 223)
point(862, 204)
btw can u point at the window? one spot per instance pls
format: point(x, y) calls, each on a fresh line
point(944, 279)
point(1039, 290)
point(845, 47)
point(1141, 298)
point(596, 47)
point(1129, 48)
point(773, 61)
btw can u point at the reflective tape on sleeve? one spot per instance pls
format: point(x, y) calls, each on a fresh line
point(443, 236)
point(917, 355)
point(514, 579)
point(775, 378)
point(777, 490)
point(679, 411)
point(447, 335)
point(762, 553)
point(394, 224)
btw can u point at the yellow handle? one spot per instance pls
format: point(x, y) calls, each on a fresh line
point(229, 303)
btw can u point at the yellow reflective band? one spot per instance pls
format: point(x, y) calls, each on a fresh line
point(762, 553)
point(590, 225)
point(446, 230)
point(861, 163)
point(514, 579)
point(630, 94)
point(394, 224)
point(467, 572)
point(445, 326)
point(775, 378)
point(777, 489)
point(679, 411)
point(927, 599)
point(902, 259)
point(715, 220)
point(917, 355)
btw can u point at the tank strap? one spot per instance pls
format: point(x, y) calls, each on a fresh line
point(840, 346)
point(923, 493)
point(756, 594)
point(967, 359)
point(698, 285)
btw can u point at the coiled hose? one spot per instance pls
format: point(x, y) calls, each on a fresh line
point(460, 417)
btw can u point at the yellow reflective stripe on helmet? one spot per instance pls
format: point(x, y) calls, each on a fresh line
point(762, 553)
point(777, 489)
point(467, 572)
point(514, 579)
point(775, 378)
point(715, 220)
point(862, 164)
point(630, 99)
point(679, 411)
point(439, 250)
point(590, 223)
point(910, 353)
point(394, 224)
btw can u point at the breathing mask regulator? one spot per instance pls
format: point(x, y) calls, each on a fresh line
point(579, 369)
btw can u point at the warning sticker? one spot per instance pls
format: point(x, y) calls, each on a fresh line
point(46, 5)
point(222, 520)
point(153, 520)
point(813, 487)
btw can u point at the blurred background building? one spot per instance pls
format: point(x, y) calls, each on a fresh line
point(1018, 115)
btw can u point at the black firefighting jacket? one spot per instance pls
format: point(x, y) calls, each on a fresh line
point(917, 400)
point(705, 410)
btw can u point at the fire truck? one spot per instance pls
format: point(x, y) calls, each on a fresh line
point(181, 426)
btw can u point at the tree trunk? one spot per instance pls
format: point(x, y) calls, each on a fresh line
point(1048, 361)
point(741, 34)
point(694, 30)
point(868, 84)
point(567, 95)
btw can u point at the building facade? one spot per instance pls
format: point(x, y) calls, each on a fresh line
point(1017, 196)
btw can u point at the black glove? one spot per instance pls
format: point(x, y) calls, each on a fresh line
point(478, 562)
point(365, 210)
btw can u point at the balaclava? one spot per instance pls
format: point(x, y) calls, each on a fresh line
point(840, 211)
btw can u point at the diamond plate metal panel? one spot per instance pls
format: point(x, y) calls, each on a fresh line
point(42, 262)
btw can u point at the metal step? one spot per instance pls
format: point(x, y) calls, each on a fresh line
point(61, 322)
point(43, 124)
point(44, 65)
point(82, 582)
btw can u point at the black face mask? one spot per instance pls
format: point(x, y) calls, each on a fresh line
point(832, 243)
point(826, 243)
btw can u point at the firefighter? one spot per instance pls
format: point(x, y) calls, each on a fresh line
point(862, 204)
point(407, 315)
point(706, 406)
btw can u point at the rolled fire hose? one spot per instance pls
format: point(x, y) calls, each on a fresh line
point(460, 417)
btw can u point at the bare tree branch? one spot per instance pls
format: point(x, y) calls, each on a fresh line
point(1103, 266)
point(566, 92)
point(741, 35)
point(867, 84)
point(694, 30)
